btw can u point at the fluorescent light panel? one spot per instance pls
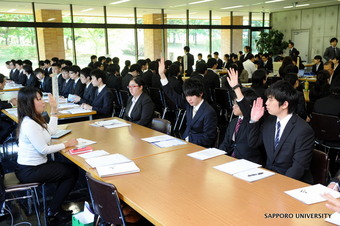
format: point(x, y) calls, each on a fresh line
point(198, 2)
point(273, 1)
point(86, 10)
point(302, 5)
point(11, 10)
point(288, 7)
point(233, 7)
point(118, 2)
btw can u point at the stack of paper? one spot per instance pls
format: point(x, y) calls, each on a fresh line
point(312, 194)
point(207, 153)
point(83, 142)
point(107, 160)
point(68, 105)
point(334, 218)
point(245, 170)
point(94, 154)
point(77, 110)
point(164, 141)
point(109, 124)
point(119, 169)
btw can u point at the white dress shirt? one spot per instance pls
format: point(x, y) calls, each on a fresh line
point(249, 66)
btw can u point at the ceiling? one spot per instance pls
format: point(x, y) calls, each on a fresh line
point(182, 5)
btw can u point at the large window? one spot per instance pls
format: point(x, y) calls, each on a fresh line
point(16, 11)
point(176, 39)
point(88, 14)
point(199, 42)
point(120, 15)
point(52, 13)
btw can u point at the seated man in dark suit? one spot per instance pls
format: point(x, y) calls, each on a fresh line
point(211, 79)
point(266, 63)
point(236, 138)
point(330, 105)
point(77, 87)
point(103, 100)
point(288, 139)
point(45, 81)
point(201, 117)
point(89, 91)
point(67, 84)
point(32, 80)
point(114, 81)
point(152, 70)
point(134, 71)
point(56, 69)
point(318, 64)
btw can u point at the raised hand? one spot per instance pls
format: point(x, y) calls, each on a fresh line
point(161, 68)
point(257, 110)
point(233, 77)
point(53, 103)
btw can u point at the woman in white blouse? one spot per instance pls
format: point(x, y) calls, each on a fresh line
point(34, 138)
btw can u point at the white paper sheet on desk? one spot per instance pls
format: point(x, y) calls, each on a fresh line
point(68, 105)
point(118, 169)
point(12, 86)
point(169, 143)
point(109, 124)
point(74, 111)
point(94, 154)
point(253, 174)
point(84, 142)
point(12, 111)
point(237, 166)
point(157, 138)
point(64, 126)
point(207, 153)
point(312, 194)
point(334, 219)
point(107, 160)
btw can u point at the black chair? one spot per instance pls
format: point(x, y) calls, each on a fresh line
point(320, 167)
point(224, 101)
point(117, 105)
point(327, 130)
point(161, 125)
point(105, 201)
point(156, 96)
point(124, 96)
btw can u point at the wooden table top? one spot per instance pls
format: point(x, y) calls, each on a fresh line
point(11, 87)
point(174, 189)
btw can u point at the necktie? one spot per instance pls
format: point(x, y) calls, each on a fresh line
point(194, 110)
point(334, 52)
point(277, 137)
point(237, 127)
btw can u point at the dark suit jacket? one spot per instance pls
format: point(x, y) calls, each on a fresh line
point(330, 53)
point(268, 66)
point(14, 75)
point(245, 57)
point(114, 82)
point(66, 88)
point(240, 146)
point(103, 103)
point(5, 105)
point(22, 78)
point(328, 105)
point(293, 154)
point(199, 61)
point(190, 63)
point(46, 85)
point(89, 94)
point(211, 81)
point(219, 63)
point(156, 82)
point(201, 129)
point(301, 106)
point(320, 68)
point(175, 84)
point(147, 77)
point(293, 52)
point(33, 81)
point(125, 81)
point(78, 88)
point(142, 112)
point(60, 83)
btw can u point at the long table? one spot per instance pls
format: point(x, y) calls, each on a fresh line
point(174, 189)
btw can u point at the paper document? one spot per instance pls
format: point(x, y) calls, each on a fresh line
point(68, 105)
point(107, 160)
point(74, 111)
point(237, 166)
point(63, 126)
point(119, 169)
point(334, 219)
point(71, 97)
point(207, 153)
point(83, 142)
point(109, 124)
point(253, 174)
point(12, 86)
point(94, 154)
point(164, 141)
point(312, 194)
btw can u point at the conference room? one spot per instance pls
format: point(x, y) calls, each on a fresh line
point(169, 45)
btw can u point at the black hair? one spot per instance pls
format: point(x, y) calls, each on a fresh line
point(101, 58)
point(108, 60)
point(201, 68)
point(318, 57)
point(56, 65)
point(66, 68)
point(19, 62)
point(249, 94)
point(200, 54)
point(291, 68)
point(41, 63)
point(115, 60)
point(99, 74)
point(187, 48)
point(258, 77)
point(173, 70)
point(148, 61)
point(27, 62)
point(75, 69)
point(127, 63)
point(28, 69)
point(321, 80)
point(250, 56)
point(167, 63)
point(290, 42)
point(283, 91)
point(135, 67)
point(141, 62)
point(8, 62)
point(211, 62)
point(291, 78)
point(47, 61)
point(39, 70)
point(55, 59)
point(226, 55)
point(247, 48)
point(86, 71)
point(93, 57)
point(112, 69)
point(97, 64)
point(2, 78)
point(333, 39)
point(153, 65)
point(138, 80)
point(193, 87)
point(337, 58)
point(68, 63)
point(26, 106)
point(215, 53)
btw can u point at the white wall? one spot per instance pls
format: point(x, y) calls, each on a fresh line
point(323, 24)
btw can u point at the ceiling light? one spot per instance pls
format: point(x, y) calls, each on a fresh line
point(86, 10)
point(198, 2)
point(233, 7)
point(302, 5)
point(50, 19)
point(274, 1)
point(175, 6)
point(288, 7)
point(118, 2)
point(11, 10)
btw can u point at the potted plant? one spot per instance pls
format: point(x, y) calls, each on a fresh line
point(271, 41)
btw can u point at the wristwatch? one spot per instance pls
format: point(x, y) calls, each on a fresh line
point(237, 86)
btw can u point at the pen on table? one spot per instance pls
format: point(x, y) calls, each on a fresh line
point(250, 175)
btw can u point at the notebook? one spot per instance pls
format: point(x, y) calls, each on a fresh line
point(60, 133)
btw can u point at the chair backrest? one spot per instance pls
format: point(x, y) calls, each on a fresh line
point(157, 98)
point(326, 127)
point(223, 99)
point(161, 125)
point(124, 96)
point(105, 201)
point(320, 167)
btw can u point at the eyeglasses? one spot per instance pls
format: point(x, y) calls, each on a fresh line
point(130, 87)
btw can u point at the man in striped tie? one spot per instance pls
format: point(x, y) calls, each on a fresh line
point(288, 139)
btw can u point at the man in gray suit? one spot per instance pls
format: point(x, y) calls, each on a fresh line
point(332, 51)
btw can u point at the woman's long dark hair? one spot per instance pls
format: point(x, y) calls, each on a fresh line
point(26, 107)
